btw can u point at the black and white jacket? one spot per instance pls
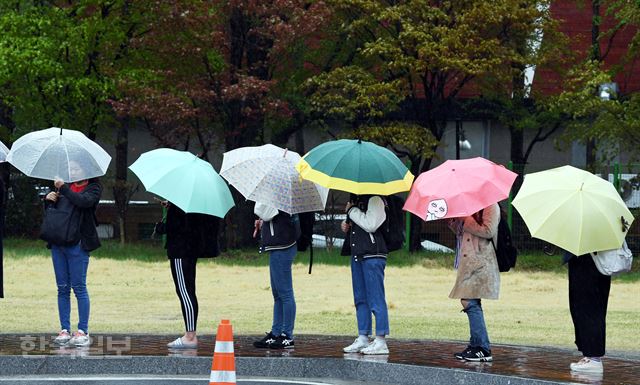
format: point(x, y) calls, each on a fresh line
point(278, 230)
point(365, 238)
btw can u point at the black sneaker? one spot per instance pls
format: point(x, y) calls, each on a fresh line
point(283, 342)
point(477, 354)
point(460, 355)
point(266, 342)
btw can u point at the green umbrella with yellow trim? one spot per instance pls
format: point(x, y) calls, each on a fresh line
point(355, 166)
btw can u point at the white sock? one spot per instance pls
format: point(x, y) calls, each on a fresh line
point(364, 339)
point(381, 339)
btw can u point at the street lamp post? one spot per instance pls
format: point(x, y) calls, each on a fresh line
point(606, 92)
point(461, 141)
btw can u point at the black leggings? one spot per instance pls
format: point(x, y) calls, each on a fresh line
point(184, 278)
point(588, 300)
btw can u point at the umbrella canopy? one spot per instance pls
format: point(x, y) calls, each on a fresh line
point(185, 180)
point(4, 150)
point(573, 209)
point(459, 188)
point(58, 153)
point(355, 166)
point(267, 174)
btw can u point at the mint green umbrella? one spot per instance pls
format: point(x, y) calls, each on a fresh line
point(185, 180)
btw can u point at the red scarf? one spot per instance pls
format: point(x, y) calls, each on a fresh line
point(76, 188)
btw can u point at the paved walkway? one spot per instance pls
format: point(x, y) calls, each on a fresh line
point(545, 364)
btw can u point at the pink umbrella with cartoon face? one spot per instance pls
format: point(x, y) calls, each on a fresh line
point(459, 188)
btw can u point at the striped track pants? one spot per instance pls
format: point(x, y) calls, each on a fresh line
point(184, 277)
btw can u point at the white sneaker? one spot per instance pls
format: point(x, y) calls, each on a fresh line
point(63, 337)
point(357, 345)
point(587, 365)
point(80, 338)
point(378, 346)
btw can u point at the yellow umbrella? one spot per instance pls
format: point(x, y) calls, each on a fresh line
point(573, 209)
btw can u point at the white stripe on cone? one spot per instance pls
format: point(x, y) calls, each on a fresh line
point(224, 347)
point(222, 376)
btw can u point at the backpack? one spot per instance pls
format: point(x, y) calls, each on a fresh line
point(615, 261)
point(506, 252)
point(393, 227)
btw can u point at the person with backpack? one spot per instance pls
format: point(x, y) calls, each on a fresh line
point(366, 246)
point(477, 276)
point(279, 232)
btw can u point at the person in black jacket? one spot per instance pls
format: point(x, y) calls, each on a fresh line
point(190, 236)
point(588, 300)
point(279, 232)
point(366, 245)
point(71, 261)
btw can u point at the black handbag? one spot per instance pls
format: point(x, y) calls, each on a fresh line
point(60, 227)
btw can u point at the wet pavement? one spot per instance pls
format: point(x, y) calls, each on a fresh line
point(546, 364)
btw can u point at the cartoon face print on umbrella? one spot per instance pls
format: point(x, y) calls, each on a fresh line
point(436, 209)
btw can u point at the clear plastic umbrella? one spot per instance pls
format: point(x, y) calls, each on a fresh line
point(58, 153)
point(3, 152)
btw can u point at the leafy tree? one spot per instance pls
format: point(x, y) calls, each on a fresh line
point(433, 50)
point(217, 73)
point(508, 96)
point(58, 61)
point(605, 126)
point(610, 123)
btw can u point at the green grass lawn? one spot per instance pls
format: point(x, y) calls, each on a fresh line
point(131, 291)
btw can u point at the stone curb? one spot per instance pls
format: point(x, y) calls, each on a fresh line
point(379, 372)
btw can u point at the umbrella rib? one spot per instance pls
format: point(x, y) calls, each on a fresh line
point(49, 145)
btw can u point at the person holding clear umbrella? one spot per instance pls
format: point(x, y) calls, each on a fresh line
point(71, 260)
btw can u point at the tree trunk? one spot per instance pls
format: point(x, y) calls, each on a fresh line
point(415, 223)
point(121, 189)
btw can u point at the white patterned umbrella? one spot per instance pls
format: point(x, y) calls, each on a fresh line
point(58, 153)
point(267, 174)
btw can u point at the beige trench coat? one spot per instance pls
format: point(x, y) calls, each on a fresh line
point(478, 275)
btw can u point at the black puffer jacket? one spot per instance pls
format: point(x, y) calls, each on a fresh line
point(85, 203)
point(191, 235)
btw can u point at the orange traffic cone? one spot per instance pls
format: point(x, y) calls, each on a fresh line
point(223, 367)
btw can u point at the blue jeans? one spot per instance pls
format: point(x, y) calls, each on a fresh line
point(367, 279)
point(477, 327)
point(70, 266)
point(284, 302)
